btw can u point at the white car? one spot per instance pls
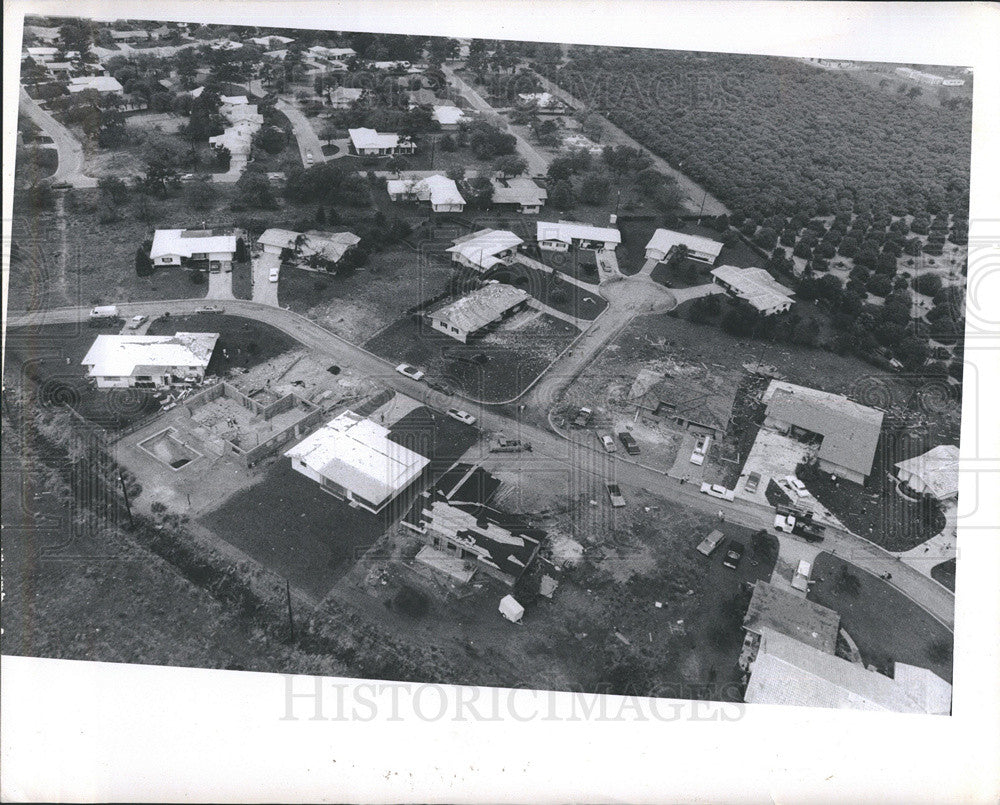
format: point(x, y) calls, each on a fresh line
point(137, 321)
point(609, 443)
point(309, 157)
point(461, 416)
point(784, 522)
point(797, 486)
point(718, 491)
point(410, 371)
point(273, 275)
point(800, 581)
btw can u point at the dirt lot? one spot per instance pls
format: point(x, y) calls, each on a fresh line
point(359, 304)
point(290, 525)
point(514, 354)
point(885, 624)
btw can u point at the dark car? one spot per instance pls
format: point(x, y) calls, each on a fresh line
point(582, 417)
point(808, 530)
point(752, 482)
point(631, 446)
point(734, 553)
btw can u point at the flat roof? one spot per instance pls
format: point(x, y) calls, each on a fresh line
point(481, 307)
point(357, 454)
point(480, 247)
point(850, 431)
point(665, 239)
point(568, 231)
point(447, 115)
point(937, 468)
point(122, 355)
point(369, 138)
point(792, 615)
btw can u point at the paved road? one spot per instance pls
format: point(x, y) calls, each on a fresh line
point(70, 167)
point(697, 198)
point(305, 135)
point(574, 453)
point(265, 292)
point(538, 162)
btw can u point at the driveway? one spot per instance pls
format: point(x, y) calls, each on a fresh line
point(70, 167)
point(305, 135)
point(220, 285)
point(265, 292)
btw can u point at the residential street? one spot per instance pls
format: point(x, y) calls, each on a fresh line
point(70, 167)
point(305, 135)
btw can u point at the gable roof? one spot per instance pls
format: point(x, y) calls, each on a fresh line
point(347, 93)
point(788, 671)
point(357, 454)
point(331, 245)
point(121, 355)
point(792, 615)
point(102, 83)
point(279, 238)
point(480, 247)
point(435, 188)
point(363, 138)
point(664, 240)
point(755, 285)
point(850, 431)
point(518, 190)
point(481, 307)
point(937, 468)
point(185, 242)
point(568, 231)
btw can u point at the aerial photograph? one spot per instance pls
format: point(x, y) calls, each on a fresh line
point(481, 362)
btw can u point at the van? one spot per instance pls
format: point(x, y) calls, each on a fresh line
point(102, 314)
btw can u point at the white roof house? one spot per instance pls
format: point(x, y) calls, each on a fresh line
point(331, 245)
point(354, 459)
point(369, 141)
point(343, 97)
point(265, 41)
point(440, 191)
point(544, 100)
point(788, 671)
point(277, 239)
point(699, 248)
point(755, 286)
point(208, 244)
point(448, 116)
point(102, 83)
point(485, 249)
point(336, 54)
point(42, 54)
point(117, 360)
point(519, 190)
point(234, 100)
point(934, 472)
point(196, 92)
point(478, 309)
point(560, 236)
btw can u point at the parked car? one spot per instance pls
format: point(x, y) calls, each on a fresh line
point(103, 314)
point(701, 450)
point(631, 445)
point(582, 417)
point(800, 581)
point(784, 522)
point(808, 530)
point(444, 388)
point(411, 372)
point(608, 442)
point(501, 444)
point(309, 157)
point(461, 416)
point(708, 545)
point(615, 493)
point(733, 555)
point(718, 491)
point(753, 481)
point(210, 309)
point(137, 321)
point(797, 486)
point(273, 274)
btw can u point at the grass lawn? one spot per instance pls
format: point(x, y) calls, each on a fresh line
point(357, 305)
point(636, 233)
point(551, 290)
point(290, 525)
point(578, 263)
point(493, 368)
point(887, 626)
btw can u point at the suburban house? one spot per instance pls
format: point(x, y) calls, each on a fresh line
point(214, 248)
point(104, 84)
point(234, 100)
point(345, 97)
point(237, 138)
point(420, 97)
point(790, 615)
point(755, 287)
point(43, 34)
point(702, 405)
point(42, 55)
point(331, 54)
point(560, 237)
point(268, 41)
point(448, 116)
point(700, 249)
point(149, 361)
point(789, 671)
point(503, 545)
point(544, 102)
point(441, 192)
point(933, 473)
point(578, 142)
point(353, 459)
point(521, 192)
point(275, 241)
point(330, 246)
point(129, 36)
point(478, 310)
point(485, 249)
point(368, 142)
point(847, 432)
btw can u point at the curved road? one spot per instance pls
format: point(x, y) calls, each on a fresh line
point(305, 135)
point(70, 151)
point(576, 453)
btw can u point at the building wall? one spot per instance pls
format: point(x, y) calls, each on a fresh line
point(656, 254)
point(841, 472)
point(553, 246)
point(448, 207)
point(448, 329)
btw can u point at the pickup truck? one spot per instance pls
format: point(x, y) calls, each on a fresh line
point(501, 444)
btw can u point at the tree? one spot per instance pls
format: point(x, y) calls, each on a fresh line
point(511, 165)
point(111, 132)
point(143, 264)
point(456, 173)
point(927, 284)
point(202, 195)
point(487, 141)
point(329, 132)
point(912, 352)
point(113, 189)
point(270, 138)
point(254, 191)
point(561, 195)
point(767, 238)
point(595, 187)
point(223, 157)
